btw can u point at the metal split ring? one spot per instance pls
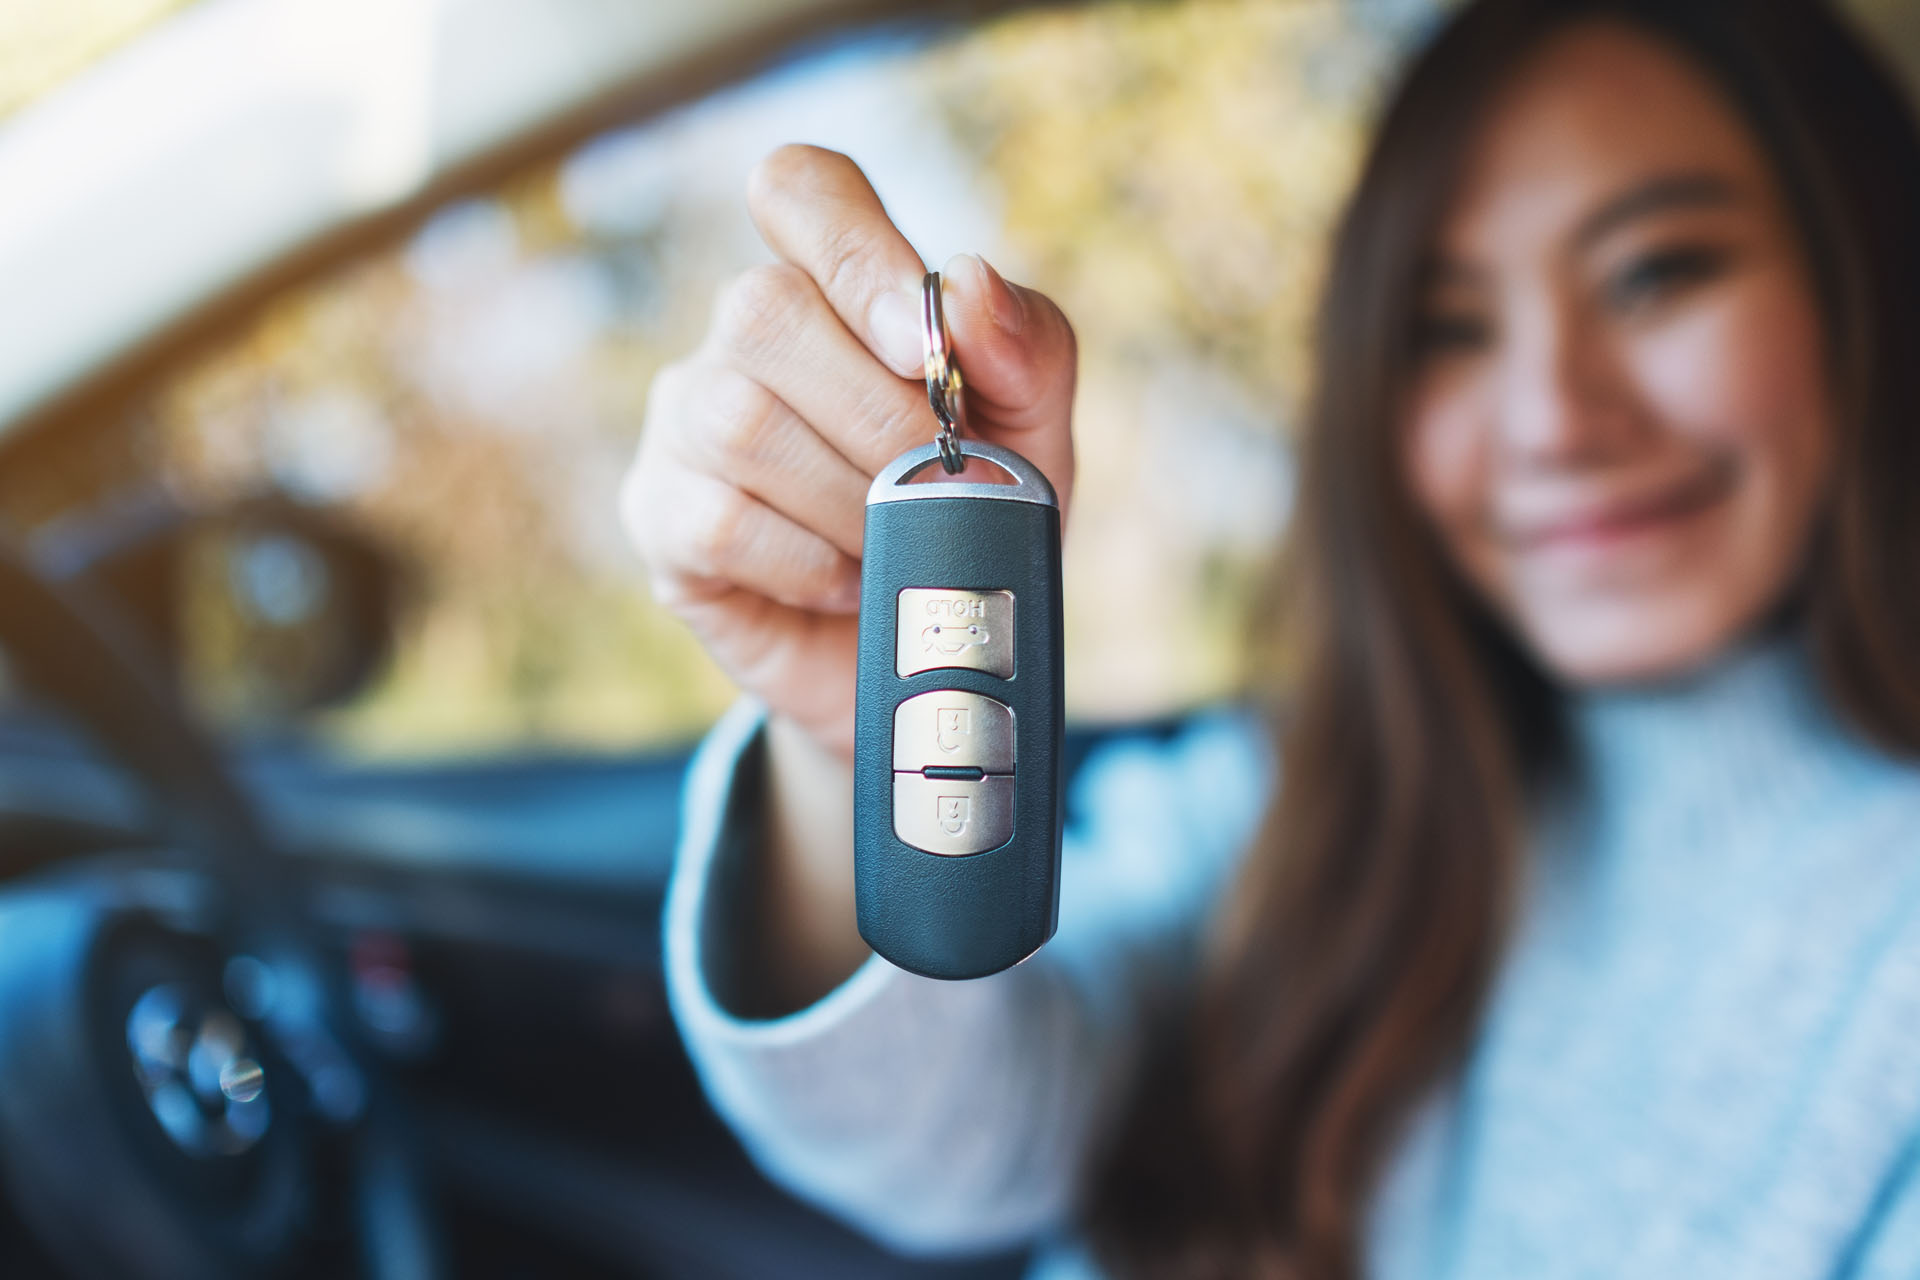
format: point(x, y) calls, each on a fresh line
point(943, 375)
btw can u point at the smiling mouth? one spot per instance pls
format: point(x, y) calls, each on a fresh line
point(1612, 521)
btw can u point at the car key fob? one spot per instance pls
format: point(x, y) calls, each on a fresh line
point(957, 797)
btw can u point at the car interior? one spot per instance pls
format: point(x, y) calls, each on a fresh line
point(340, 745)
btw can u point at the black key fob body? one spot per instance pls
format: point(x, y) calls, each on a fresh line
point(957, 798)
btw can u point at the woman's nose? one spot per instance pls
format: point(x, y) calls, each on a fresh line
point(1562, 401)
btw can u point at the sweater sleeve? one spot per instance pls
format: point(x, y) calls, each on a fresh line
point(955, 1116)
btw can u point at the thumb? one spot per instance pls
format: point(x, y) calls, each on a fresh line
point(1017, 360)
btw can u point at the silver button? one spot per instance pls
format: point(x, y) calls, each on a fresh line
point(953, 818)
point(937, 628)
point(953, 728)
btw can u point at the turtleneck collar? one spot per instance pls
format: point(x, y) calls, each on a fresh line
point(1752, 733)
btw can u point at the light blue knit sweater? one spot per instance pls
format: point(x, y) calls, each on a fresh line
point(1701, 1057)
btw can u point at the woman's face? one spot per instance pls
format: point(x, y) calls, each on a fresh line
point(1620, 425)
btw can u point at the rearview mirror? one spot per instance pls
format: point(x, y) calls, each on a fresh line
point(262, 610)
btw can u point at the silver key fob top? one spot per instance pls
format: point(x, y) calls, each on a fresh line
point(957, 739)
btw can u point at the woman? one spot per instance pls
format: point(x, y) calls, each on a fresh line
point(1583, 936)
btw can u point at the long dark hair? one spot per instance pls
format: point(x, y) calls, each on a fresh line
point(1347, 974)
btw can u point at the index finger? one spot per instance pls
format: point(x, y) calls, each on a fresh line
point(816, 209)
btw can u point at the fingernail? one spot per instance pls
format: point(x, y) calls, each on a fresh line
point(1008, 312)
point(894, 322)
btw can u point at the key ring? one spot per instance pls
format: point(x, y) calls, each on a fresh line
point(943, 375)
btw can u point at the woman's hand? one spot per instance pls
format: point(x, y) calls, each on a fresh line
point(748, 495)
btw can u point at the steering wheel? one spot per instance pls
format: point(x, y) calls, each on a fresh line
point(176, 1067)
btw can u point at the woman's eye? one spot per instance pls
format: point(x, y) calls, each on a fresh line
point(1653, 277)
point(1442, 333)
